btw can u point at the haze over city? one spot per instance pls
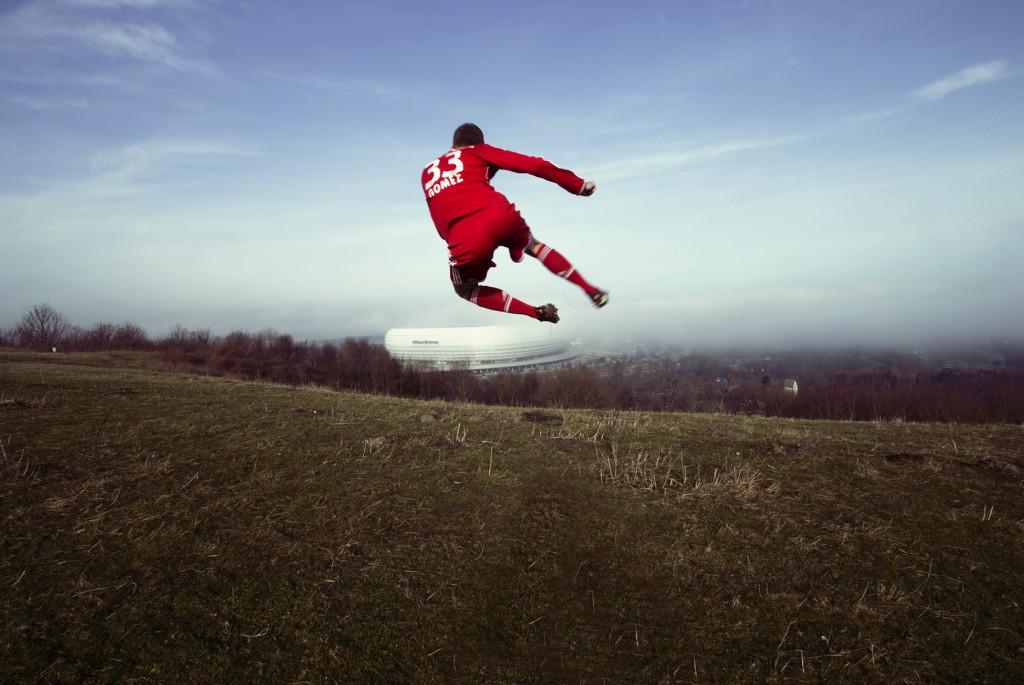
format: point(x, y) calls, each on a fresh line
point(777, 172)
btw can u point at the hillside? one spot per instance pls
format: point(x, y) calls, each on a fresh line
point(160, 527)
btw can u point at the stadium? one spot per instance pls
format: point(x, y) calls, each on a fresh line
point(482, 349)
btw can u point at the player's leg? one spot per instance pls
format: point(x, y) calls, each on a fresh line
point(471, 245)
point(498, 300)
point(556, 263)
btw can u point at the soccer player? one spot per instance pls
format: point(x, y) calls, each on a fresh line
point(475, 220)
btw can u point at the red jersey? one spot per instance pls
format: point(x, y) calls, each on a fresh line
point(459, 183)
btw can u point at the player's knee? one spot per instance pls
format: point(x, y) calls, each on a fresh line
point(464, 290)
point(535, 247)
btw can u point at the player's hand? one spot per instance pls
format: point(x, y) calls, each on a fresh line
point(588, 189)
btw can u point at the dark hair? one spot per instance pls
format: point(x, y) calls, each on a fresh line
point(466, 135)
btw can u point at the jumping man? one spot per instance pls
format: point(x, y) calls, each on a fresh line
point(475, 220)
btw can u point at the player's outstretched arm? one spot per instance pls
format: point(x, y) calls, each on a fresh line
point(588, 189)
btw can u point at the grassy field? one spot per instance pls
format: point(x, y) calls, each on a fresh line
point(165, 528)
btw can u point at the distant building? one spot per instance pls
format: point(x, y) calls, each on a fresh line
point(482, 349)
point(790, 385)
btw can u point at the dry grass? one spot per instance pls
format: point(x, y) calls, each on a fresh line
point(163, 528)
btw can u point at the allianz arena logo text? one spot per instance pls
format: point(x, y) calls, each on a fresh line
point(426, 342)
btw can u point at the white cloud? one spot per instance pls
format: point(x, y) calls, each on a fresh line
point(146, 171)
point(47, 28)
point(658, 163)
point(351, 85)
point(132, 40)
point(132, 3)
point(52, 103)
point(153, 156)
point(965, 78)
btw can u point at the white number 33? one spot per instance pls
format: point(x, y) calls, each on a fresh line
point(454, 168)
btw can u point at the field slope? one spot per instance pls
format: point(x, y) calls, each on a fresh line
point(165, 528)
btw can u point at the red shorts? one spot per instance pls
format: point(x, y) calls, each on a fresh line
point(473, 240)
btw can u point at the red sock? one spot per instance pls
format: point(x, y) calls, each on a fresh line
point(553, 260)
point(500, 301)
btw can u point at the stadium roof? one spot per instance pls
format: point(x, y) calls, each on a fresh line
point(482, 348)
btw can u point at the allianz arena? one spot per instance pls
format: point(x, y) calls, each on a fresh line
point(483, 348)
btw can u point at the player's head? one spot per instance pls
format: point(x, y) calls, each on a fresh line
point(466, 135)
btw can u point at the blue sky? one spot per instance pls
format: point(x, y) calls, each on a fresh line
point(768, 171)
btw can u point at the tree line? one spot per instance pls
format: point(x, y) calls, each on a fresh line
point(900, 388)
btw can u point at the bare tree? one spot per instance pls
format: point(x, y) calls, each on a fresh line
point(181, 338)
point(42, 327)
point(100, 337)
point(130, 336)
